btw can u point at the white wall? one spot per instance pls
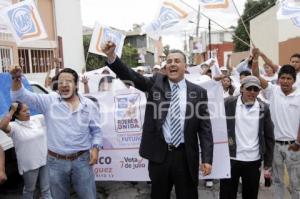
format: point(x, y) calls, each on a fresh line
point(69, 27)
point(264, 33)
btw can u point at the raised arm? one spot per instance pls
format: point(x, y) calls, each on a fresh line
point(4, 123)
point(268, 61)
point(255, 69)
point(19, 93)
point(85, 81)
point(124, 72)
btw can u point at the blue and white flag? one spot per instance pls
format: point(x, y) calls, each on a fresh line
point(288, 9)
point(296, 21)
point(172, 16)
point(24, 21)
point(103, 34)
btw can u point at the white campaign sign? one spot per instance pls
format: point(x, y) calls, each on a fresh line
point(122, 115)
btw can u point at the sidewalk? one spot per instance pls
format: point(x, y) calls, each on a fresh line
point(141, 190)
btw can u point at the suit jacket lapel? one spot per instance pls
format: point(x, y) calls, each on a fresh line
point(188, 103)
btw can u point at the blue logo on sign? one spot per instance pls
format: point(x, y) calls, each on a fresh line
point(21, 19)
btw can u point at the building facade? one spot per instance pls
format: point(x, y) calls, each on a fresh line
point(62, 48)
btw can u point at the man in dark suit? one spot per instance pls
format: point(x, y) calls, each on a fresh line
point(171, 145)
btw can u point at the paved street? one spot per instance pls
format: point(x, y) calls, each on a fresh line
point(141, 190)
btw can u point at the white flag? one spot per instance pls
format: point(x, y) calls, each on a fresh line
point(296, 21)
point(171, 17)
point(288, 9)
point(24, 21)
point(3, 26)
point(224, 6)
point(103, 34)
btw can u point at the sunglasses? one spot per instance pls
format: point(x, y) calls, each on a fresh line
point(253, 88)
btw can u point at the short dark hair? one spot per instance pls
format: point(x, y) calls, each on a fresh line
point(180, 52)
point(287, 69)
point(19, 107)
point(245, 73)
point(71, 71)
point(295, 55)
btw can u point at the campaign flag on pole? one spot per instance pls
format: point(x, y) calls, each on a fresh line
point(3, 26)
point(24, 21)
point(296, 21)
point(103, 34)
point(214, 4)
point(171, 17)
point(288, 9)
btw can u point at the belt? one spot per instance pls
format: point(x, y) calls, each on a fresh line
point(171, 147)
point(70, 157)
point(285, 142)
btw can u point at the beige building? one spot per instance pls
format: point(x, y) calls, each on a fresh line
point(64, 41)
point(278, 39)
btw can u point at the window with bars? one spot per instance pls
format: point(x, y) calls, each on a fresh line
point(6, 58)
point(36, 60)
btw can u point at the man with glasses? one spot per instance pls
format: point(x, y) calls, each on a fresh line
point(250, 140)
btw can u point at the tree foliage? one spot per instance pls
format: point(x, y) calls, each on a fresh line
point(166, 49)
point(252, 9)
point(94, 61)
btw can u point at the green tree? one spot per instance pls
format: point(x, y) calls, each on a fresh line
point(166, 49)
point(252, 9)
point(94, 61)
point(130, 55)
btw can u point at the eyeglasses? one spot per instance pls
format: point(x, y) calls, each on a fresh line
point(253, 88)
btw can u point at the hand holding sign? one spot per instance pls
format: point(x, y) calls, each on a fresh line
point(16, 73)
point(109, 51)
point(102, 35)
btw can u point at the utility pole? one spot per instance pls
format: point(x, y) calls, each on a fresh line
point(197, 56)
point(209, 37)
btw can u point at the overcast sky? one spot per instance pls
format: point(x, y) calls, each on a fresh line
point(122, 14)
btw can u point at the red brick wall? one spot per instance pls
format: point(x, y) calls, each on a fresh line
point(221, 48)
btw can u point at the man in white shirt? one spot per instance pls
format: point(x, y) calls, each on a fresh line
point(250, 140)
point(285, 112)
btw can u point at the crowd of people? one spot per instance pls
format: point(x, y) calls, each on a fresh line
point(262, 108)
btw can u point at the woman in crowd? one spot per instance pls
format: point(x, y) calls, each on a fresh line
point(29, 138)
point(228, 88)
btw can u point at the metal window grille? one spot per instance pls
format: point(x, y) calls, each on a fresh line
point(6, 58)
point(36, 60)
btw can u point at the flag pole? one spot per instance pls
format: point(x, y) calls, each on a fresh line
point(242, 22)
point(86, 58)
point(217, 24)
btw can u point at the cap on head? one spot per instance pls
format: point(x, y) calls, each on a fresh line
point(140, 68)
point(156, 67)
point(250, 81)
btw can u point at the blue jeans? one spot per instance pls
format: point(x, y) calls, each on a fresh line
point(64, 173)
point(30, 179)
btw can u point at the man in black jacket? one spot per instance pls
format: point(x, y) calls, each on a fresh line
point(250, 138)
point(176, 116)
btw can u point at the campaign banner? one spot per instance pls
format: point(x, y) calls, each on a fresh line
point(122, 116)
point(103, 34)
point(24, 21)
point(171, 17)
